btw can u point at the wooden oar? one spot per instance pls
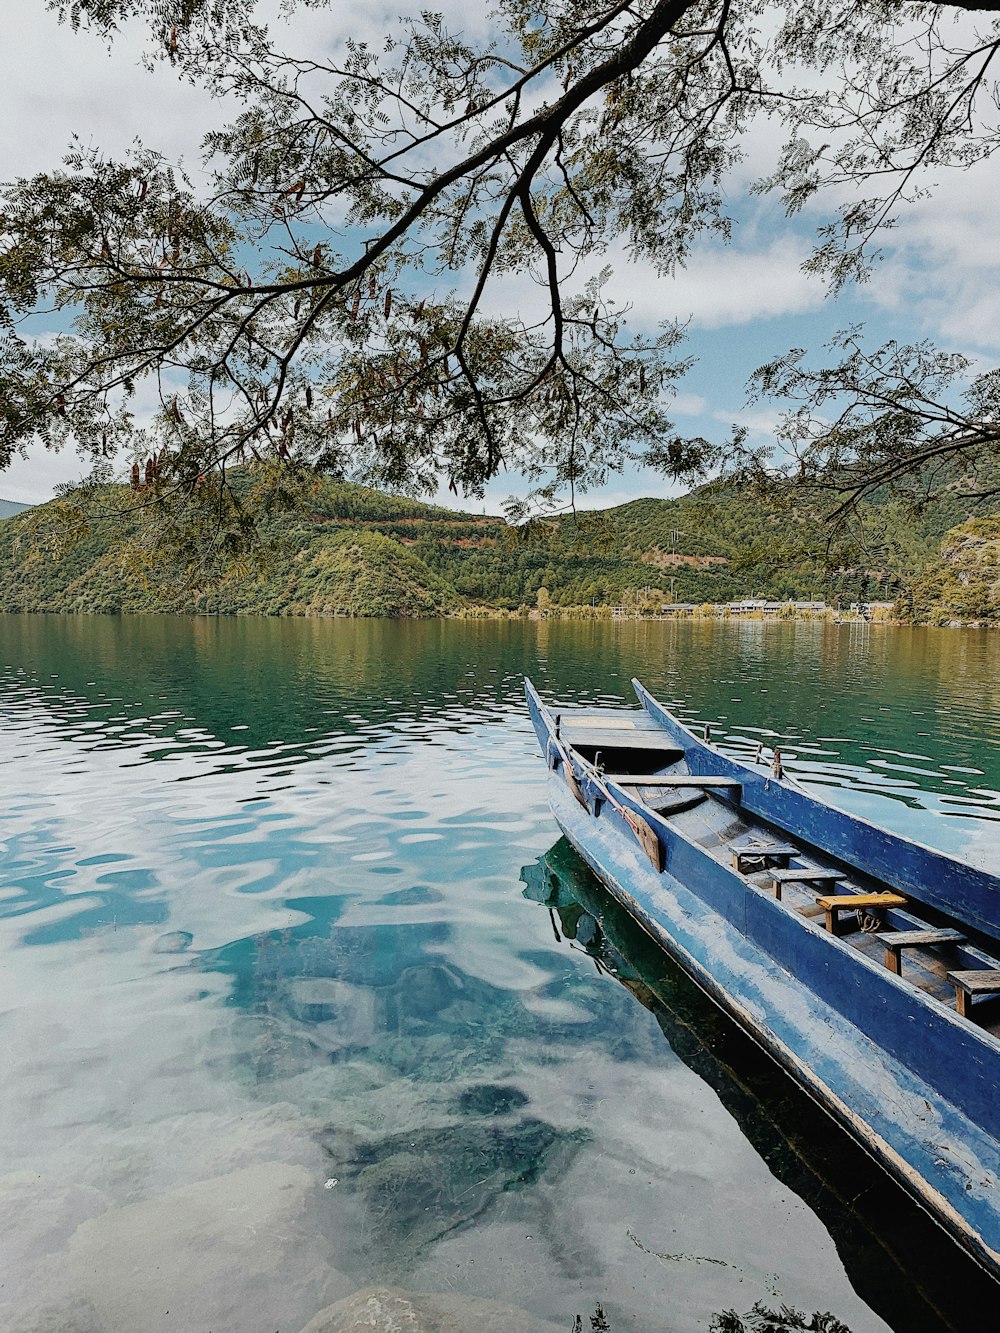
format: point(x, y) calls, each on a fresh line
point(571, 781)
point(644, 831)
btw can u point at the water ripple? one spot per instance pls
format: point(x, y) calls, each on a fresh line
point(260, 913)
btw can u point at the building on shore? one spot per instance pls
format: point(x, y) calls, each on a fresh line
point(758, 606)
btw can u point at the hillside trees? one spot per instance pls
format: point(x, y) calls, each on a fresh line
point(334, 299)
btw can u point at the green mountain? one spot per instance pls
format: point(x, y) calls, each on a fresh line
point(350, 556)
point(963, 583)
point(361, 552)
point(10, 507)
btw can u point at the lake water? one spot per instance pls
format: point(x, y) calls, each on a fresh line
point(300, 997)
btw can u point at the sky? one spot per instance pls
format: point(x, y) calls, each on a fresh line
point(746, 302)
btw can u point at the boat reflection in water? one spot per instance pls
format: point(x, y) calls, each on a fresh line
point(897, 1258)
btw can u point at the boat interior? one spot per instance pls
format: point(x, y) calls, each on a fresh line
point(936, 955)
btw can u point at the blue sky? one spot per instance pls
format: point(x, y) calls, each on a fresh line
point(746, 302)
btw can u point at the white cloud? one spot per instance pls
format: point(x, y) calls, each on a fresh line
point(34, 479)
point(687, 405)
point(64, 83)
point(942, 267)
point(754, 278)
point(728, 285)
point(761, 422)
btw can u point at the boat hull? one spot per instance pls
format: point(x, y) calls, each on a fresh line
point(914, 1084)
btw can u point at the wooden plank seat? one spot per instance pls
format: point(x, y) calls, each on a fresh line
point(800, 875)
point(895, 941)
point(606, 738)
point(764, 853)
point(851, 902)
point(982, 981)
point(612, 720)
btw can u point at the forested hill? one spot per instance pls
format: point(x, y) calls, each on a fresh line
point(361, 552)
point(10, 507)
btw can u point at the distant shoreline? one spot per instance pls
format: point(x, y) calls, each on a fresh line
point(603, 614)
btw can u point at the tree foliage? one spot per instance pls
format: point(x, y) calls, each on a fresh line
point(394, 266)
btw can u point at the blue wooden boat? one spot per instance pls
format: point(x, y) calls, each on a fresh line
point(897, 1259)
point(815, 930)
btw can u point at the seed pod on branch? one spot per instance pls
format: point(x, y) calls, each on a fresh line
point(388, 302)
point(134, 479)
point(356, 305)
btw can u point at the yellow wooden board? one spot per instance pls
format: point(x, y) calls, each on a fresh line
point(850, 900)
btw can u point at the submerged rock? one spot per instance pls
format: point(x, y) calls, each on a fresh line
point(422, 1184)
point(391, 1310)
point(491, 1099)
point(175, 941)
point(229, 1253)
point(38, 1214)
point(330, 1014)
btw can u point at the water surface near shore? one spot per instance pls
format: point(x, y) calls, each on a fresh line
point(284, 1020)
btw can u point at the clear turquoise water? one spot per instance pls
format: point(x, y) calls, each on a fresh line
point(283, 1020)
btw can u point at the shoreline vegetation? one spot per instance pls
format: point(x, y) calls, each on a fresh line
point(363, 553)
